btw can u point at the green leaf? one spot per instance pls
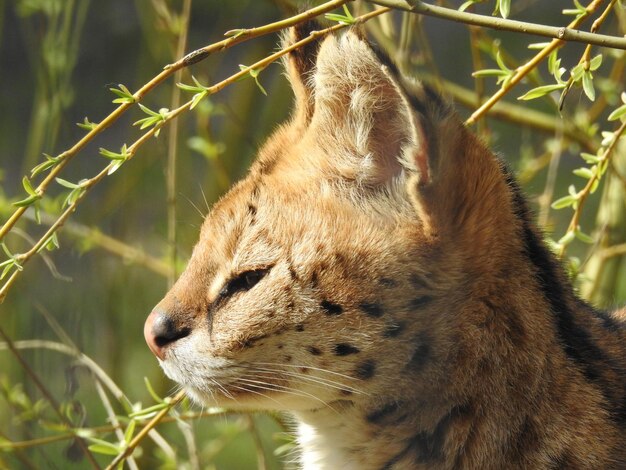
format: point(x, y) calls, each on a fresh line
point(197, 98)
point(67, 184)
point(467, 4)
point(584, 173)
point(49, 163)
point(151, 391)
point(8, 265)
point(254, 73)
point(505, 8)
point(538, 45)
point(588, 86)
point(567, 238)
point(28, 186)
point(105, 449)
point(563, 202)
point(490, 72)
point(130, 430)
point(618, 113)
point(87, 125)
point(235, 32)
point(346, 18)
point(27, 201)
point(583, 237)
point(125, 96)
point(52, 243)
point(577, 72)
point(501, 63)
point(590, 158)
point(541, 91)
point(122, 155)
point(594, 64)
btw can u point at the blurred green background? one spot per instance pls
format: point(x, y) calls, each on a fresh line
point(58, 59)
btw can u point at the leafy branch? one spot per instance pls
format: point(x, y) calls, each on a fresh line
point(593, 175)
point(126, 99)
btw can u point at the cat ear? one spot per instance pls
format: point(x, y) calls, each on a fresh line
point(299, 65)
point(362, 115)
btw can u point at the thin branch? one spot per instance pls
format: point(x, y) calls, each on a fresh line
point(47, 395)
point(568, 33)
point(515, 113)
point(92, 235)
point(191, 58)
point(586, 191)
point(612, 251)
point(561, 35)
point(87, 185)
point(128, 450)
point(172, 151)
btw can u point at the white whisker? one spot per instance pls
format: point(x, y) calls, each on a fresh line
point(305, 366)
point(317, 380)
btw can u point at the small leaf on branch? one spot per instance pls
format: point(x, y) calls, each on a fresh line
point(584, 173)
point(504, 6)
point(618, 113)
point(583, 237)
point(595, 63)
point(588, 86)
point(346, 18)
point(563, 202)
point(125, 96)
point(49, 163)
point(254, 73)
point(541, 91)
point(66, 183)
point(87, 125)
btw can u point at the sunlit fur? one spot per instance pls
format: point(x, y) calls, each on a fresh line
point(410, 316)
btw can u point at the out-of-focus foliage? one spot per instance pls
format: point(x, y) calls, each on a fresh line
point(91, 286)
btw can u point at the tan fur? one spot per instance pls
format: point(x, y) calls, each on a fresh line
point(407, 314)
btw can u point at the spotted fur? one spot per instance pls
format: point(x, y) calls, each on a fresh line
point(378, 275)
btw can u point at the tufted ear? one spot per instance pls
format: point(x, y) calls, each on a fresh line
point(299, 65)
point(363, 116)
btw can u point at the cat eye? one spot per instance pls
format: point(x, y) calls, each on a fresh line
point(243, 282)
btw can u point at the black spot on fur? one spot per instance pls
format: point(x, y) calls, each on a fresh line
point(394, 330)
point(420, 356)
point(420, 301)
point(345, 349)
point(388, 282)
point(252, 210)
point(313, 350)
point(293, 273)
point(418, 281)
point(331, 308)
point(371, 309)
point(299, 327)
point(386, 414)
point(249, 342)
point(365, 370)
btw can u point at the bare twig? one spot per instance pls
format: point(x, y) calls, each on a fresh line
point(568, 33)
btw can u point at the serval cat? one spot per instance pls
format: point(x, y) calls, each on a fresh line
point(378, 275)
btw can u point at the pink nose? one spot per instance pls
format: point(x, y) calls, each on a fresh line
point(160, 330)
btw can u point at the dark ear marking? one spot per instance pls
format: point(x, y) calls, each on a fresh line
point(300, 63)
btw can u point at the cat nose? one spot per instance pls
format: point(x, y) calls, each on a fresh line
point(160, 330)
